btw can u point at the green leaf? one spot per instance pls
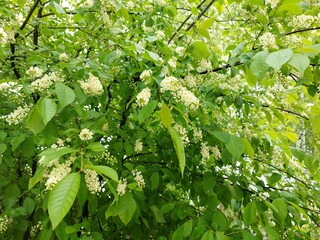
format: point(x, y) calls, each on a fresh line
point(200, 50)
point(54, 153)
point(249, 213)
point(178, 145)
point(157, 214)
point(219, 221)
point(111, 211)
point(165, 115)
point(62, 197)
point(281, 207)
point(106, 171)
point(65, 94)
point(235, 146)
point(247, 148)
point(258, 65)
point(154, 180)
point(147, 110)
point(305, 215)
point(47, 109)
point(29, 205)
point(221, 236)
point(37, 177)
point(96, 147)
point(208, 235)
point(126, 207)
point(16, 141)
point(300, 62)
point(271, 233)
point(183, 231)
point(57, 7)
point(34, 121)
point(277, 59)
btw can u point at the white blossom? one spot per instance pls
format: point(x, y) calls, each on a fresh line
point(45, 82)
point(146, 76)
point(143, 97)
point(92, 181)
point(268, 41)
point(58, 172)
point(138, 146)
point(122, 185)
point(85, 134)
point(89, 3)
point(160, 34)
point(139, 178)
point(170, 84)
point(92, 87)
point(188, 99)
point(17, 115)
point(34, 72)
point(63, 57)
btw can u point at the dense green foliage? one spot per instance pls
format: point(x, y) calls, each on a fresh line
point(158, 119)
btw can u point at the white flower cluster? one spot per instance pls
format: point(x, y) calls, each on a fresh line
point(18, 115)
point(58, 172)
point(303, 21)
point(180, 51)
point(183, 134)
point(171, 84)
point(188, 99)
point(146, 76)
point(268, 41)
point(59, 144)
point(206, 150)
point(35, 229)
point(85, 134)
point(273, 3)
point(173, 63)
point(63, 57)
point(45, 82)
point(122, 186)
point(130, 5)
point(197, 134)
point(92, 180)
point(294, 41)
point(34, 72)
point(160, 34)
point(108, 157)
point(138, 146)
point(190, 81)
point(204, 65)
point(92, 87)
point(5, 222)
point(139, 178)
point(143, 97)
point(161, 3)
point(180, 93)
point(89, 3)
point(6, 36)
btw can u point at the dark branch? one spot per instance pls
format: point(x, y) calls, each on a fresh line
point(302, 30)
point(184, 22)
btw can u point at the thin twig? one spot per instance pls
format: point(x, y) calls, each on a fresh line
point(302, 30)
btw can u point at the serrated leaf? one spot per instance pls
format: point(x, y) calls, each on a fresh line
point(249, 213)
point(61, 198)
point(200, 50)
point(157, 214)
point(178, 145)
point(106, 171)
point(183, 231)
point(37, 177)
point(96, 147)
point(300, 62)
point(208, 235)
point(34, 121)
point(219, 221)
point(278, 58)
point(126, 207)
point(147, 110)
point(47, 109)
point(248, 148)
point(65, 94)
point(165, 115)
point(16, 141)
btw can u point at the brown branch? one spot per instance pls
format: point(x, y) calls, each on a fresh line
point(32, 9)
point(184, 22)
point(200, 15)
point(302, 30)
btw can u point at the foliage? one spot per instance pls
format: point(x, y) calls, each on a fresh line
point(158, 119)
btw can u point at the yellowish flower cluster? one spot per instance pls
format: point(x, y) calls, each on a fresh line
point(188, 99)
point(92, 87)
point(34, 72)
point(58, 172)
point(303, 21)
point(122, 185)
point(63, 57)
point(204, 65)
point(35, 229)
point(139, 178)
point(85, 134)
point(89, 3)
point(146, 76)
point(138, 146)
point(45, 82)
point(143, 97)
point(6, 36)
point(183, 133)
point(268, 41)
point(92, 180)
point(273, 3)
point(17, 115)
point(5, 222)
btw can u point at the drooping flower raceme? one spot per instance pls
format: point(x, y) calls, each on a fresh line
point(58, 172)
point(45, 82)
point(143, 97)
point(85, 134)
point(122, 185)
point(138, 146)
point(146, 76)
point(92, 87)
point(268, 41)
point(17, 115)
point(188, 99)
point(34, 72)
point(63, 57)
point(92, 181)
point(139, 178)
point(170, 84)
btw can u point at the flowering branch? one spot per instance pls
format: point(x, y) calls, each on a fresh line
point(302, 30)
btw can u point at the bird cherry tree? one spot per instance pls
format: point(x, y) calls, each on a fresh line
point(159, 119)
